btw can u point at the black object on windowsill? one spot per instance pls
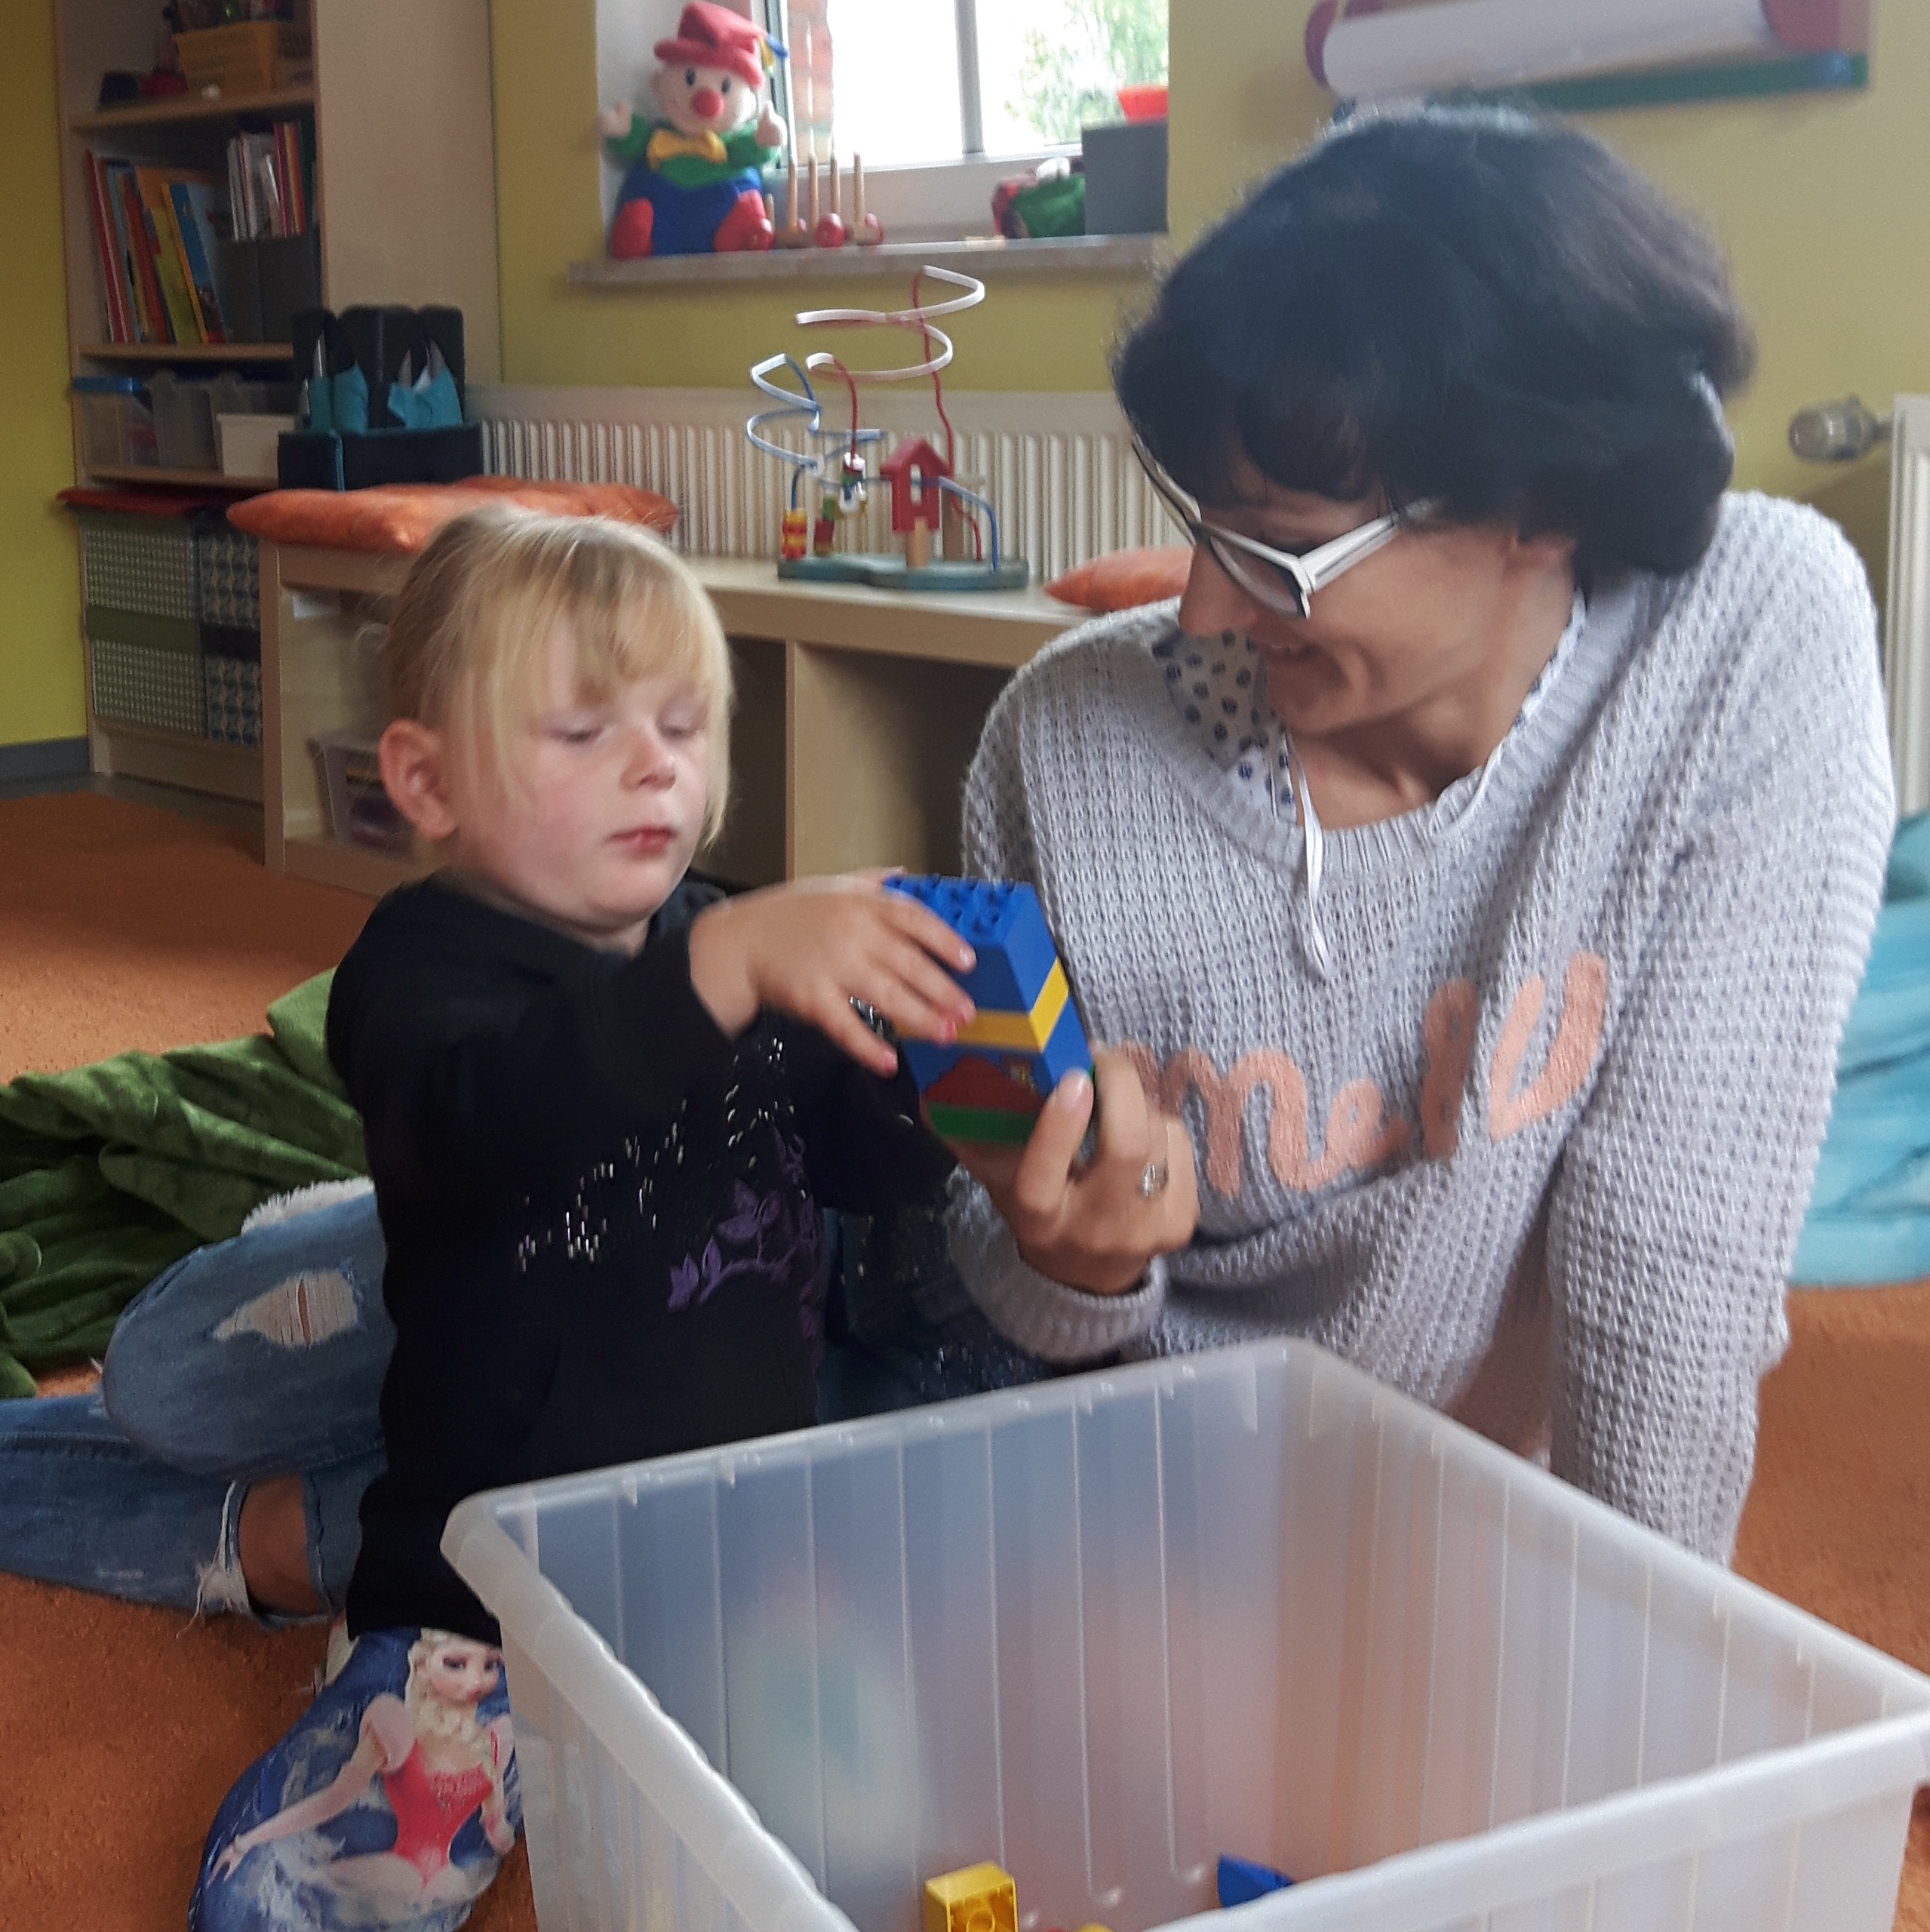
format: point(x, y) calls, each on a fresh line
point(388, 347)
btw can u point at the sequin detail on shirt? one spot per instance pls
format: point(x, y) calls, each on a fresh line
point(750, 1217)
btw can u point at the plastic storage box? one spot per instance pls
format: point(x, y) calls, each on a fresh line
point(359, 809)
point(185, 410)
point(1104, 1629)
point(117, 425)
point(248, 443)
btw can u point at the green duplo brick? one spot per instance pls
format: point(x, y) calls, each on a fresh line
point(980, 1123)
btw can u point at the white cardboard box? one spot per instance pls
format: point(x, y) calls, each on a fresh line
point(249, 444)
point(1103, 1630)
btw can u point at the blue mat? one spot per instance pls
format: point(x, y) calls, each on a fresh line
point(1869, 1215)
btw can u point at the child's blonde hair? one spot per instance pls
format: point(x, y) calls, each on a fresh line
point(469, 631)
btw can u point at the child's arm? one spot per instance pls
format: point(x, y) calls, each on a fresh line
point(809, 949)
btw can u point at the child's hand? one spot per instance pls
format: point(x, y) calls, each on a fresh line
point(811, 948)
point(1094, 1226)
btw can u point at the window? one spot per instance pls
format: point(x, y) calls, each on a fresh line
point(942, 99)
point(973, 87)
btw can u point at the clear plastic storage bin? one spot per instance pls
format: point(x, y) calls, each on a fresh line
point(117, 425)
point(1105, 1629)
point(185, 408)
point(359, 809)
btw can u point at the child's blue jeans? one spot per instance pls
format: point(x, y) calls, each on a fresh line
point(260, 1356)
point(264, 1356)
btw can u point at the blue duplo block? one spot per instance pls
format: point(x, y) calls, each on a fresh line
point(1066, 1052)
point(1241, 1881)
point(1003, 923)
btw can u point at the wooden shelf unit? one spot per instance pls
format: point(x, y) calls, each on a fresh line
point(164, 353)
point(149, 475)
point(375, 119)
point(858, 711)
point(176, 110)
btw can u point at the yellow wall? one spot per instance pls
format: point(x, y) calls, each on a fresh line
point(1813, 196)
point(40, 654)
point(1034, 333)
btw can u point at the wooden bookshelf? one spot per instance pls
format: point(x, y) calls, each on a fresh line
point(178, 109)
point(270, 352)
point(375, 119)
point(138, 473)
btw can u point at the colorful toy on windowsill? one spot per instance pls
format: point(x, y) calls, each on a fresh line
point(695, 179)
point(1026, 1036)
point(832, 461)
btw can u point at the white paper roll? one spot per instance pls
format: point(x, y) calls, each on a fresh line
point(1510, 43)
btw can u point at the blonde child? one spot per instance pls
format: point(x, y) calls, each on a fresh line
point(605, 1109)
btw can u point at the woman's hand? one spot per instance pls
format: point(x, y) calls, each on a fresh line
point(811, 948)
point(1093, 1225)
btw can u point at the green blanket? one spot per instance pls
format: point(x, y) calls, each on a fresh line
point(109, 1173)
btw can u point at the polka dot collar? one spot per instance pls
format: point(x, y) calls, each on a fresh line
point(1219, 687)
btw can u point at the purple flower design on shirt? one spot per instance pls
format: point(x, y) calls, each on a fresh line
point(760, 1235)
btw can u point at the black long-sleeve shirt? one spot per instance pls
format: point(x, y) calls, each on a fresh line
point(602, 1214)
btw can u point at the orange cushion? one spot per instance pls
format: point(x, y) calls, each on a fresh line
point(1122, 578)
point(401, 518)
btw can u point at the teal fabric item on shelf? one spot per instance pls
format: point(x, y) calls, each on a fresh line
point(352, 403)
point(1869, 1214)
point(432, 404)
point(340, 403)
point(319, 403)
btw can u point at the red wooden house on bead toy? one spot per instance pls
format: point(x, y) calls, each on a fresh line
point(915, 471)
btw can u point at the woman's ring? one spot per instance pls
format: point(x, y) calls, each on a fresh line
point(1152, 1182)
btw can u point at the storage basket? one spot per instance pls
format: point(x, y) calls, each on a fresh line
point(1105, 1629)
point(140, 684)
point(228, 563)
point(233, 692)
point(249, 57)
point(139, 563)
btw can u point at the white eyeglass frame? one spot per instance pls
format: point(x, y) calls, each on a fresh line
point(1236, 555)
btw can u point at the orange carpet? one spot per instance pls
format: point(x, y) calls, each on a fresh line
point(121, 926)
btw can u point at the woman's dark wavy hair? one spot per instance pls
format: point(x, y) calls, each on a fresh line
point(1463, 304)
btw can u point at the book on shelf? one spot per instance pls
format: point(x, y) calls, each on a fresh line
point(113, 293)
point(270, 177)
point(158, 232)
point(170, 265)
point(193, 197)
point(140, 252)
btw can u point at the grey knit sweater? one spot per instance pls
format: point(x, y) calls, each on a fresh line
point(1536, 1148)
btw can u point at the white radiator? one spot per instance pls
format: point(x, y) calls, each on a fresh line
point(1906, 627)
point(1058, 467)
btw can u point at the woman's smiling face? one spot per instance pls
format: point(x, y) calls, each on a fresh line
point(1420, 620)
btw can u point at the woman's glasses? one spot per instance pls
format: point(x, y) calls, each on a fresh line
point(1279, 580)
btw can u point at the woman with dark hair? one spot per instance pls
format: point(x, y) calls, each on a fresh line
point(1475, 868)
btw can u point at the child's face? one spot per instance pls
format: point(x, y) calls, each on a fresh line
point(603, 810)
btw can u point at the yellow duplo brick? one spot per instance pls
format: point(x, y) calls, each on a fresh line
point(1020, 1032)
point(980, 1898)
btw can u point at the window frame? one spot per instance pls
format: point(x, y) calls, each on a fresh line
point(927, 201)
